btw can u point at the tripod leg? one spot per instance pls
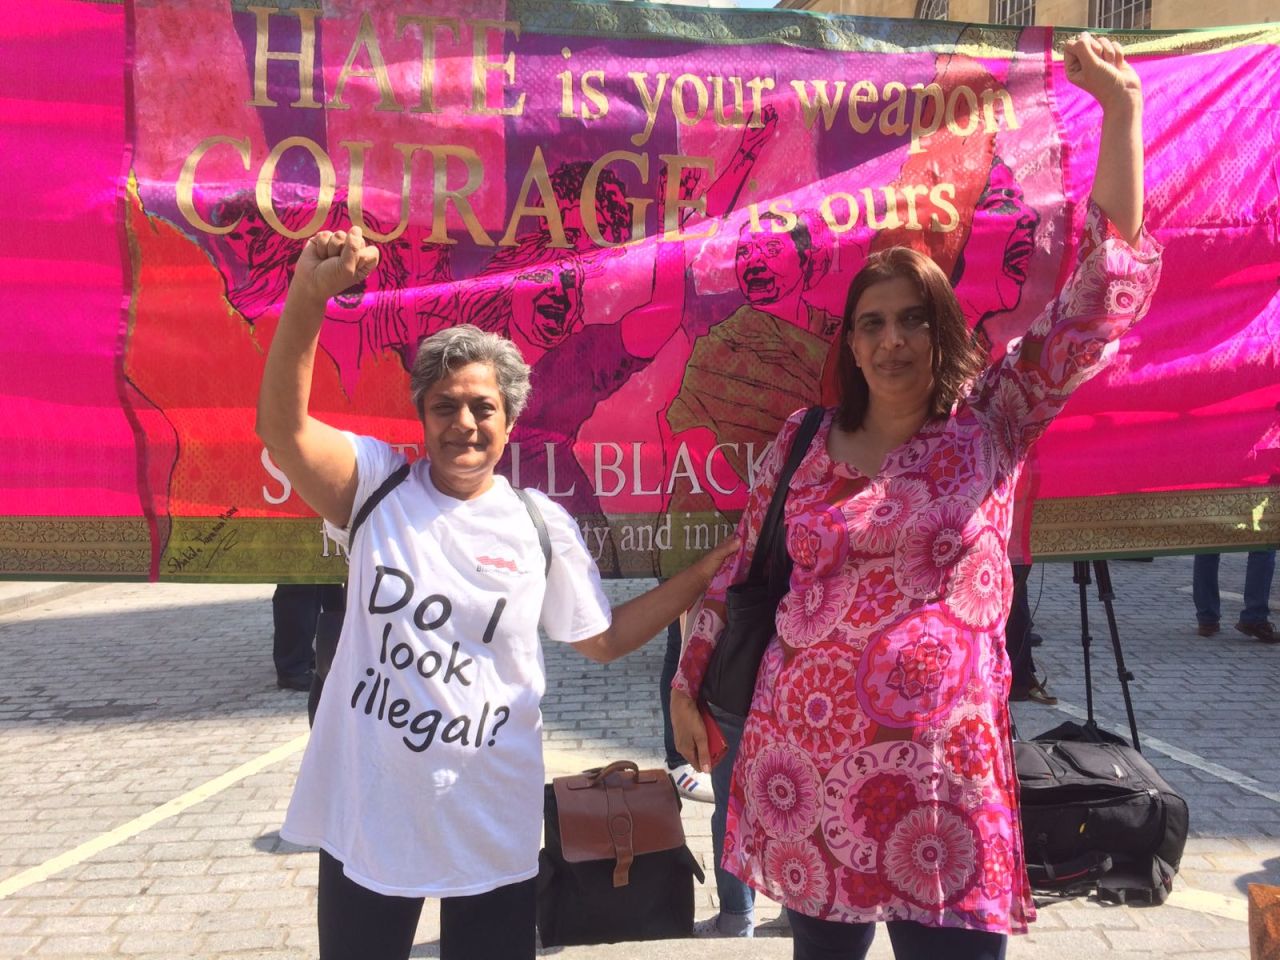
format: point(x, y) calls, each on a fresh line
point(1080, 574)
point(1107, 595)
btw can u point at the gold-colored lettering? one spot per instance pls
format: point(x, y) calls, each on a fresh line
point(936, 197)
point(638, 205)
point(651, 103)
point(820, 102)
point(678, 106)
point(756, 85)
point(355, 188)
point(864, 91)
point(481, 66)
point(548, 209)
point(673, 203)
point(739, 116)
point(441, 195)
point(305, 58)
point(925, 96)
point(970, 111)
point(566, 94)
point(889, 125)
point(366, 39)
point(427, 27)
point(911, 192)
point(187, 181)
point(891, 220)
point(782, 219)
point(324, 197)
point(989, 98)
point(595, 94)
point(834, 223)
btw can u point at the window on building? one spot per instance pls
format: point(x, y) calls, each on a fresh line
point(1121, 14)
point(1014, 13)
point(933, 9)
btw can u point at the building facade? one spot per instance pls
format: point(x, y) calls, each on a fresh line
point(1106, 14)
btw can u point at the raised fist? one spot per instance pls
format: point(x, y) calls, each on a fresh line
point(1097, 66)
point(332, 261)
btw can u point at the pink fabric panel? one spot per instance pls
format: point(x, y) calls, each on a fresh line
point(69, 449)
point(1194, 387)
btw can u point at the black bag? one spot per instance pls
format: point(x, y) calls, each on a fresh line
point(615, 866)
point(1096, 813)
point(752, 606)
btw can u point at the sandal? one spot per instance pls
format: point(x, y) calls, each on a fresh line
point(1037, 692)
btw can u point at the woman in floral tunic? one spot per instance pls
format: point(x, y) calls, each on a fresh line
point(876, 778)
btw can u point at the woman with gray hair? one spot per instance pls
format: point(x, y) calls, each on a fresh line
point(423, 777)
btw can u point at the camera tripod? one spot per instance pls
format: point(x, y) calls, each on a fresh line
point(1106, 594)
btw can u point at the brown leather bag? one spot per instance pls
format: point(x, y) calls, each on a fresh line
point(617, 813)
point(1264, 922)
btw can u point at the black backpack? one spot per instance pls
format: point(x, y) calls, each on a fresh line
point(1097, 814)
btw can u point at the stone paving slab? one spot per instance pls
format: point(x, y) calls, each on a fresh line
point(120, 699)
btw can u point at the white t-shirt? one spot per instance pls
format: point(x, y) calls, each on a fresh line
point(424, 771)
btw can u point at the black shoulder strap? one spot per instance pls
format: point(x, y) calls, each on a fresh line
point(539, 524)
point(398, 477)
point(765, 542)
point(375, 498)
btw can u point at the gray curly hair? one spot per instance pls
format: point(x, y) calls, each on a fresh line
point(445, 351)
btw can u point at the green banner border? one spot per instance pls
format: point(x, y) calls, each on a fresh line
point(267, 550)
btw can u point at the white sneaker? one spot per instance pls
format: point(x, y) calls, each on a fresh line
point(692, 784)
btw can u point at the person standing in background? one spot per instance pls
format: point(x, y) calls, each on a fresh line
point(691, 783)
point(295, 608)
point(1255, 618)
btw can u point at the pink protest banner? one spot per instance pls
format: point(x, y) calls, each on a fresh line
point(662, 206)
point(70, 501)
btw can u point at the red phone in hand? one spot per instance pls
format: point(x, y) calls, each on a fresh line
point(716, 744)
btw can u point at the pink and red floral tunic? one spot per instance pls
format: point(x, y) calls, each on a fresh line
point(875, 779)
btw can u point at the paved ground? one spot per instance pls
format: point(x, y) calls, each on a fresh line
point(148, 759)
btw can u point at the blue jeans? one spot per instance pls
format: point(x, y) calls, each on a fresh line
point(735, 896)
point(1258, 574)
point(814, 939)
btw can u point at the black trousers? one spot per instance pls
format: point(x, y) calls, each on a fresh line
point(357, 924)
point(294, 610)
point(815, 939)
point(1017, 631)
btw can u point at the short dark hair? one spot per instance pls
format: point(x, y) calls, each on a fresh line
point(957, 357)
